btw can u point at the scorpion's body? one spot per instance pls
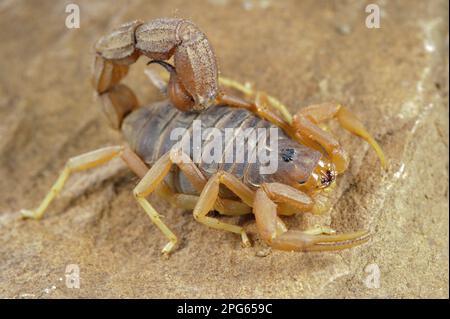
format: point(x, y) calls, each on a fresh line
point(148, 132)
point(309, 158)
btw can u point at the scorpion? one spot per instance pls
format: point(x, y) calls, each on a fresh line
point(310, 156)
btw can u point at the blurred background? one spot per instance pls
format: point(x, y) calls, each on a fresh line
point(394, 76)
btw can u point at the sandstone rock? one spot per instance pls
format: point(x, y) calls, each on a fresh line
point(394, 78)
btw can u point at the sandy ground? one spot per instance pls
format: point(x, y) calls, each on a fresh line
point(304, 52)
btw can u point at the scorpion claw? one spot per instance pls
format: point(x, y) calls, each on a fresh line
point(300, 241)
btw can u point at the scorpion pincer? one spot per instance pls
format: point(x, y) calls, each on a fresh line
point(310, 158)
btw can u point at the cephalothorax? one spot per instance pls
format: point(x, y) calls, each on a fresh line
point(310, 158)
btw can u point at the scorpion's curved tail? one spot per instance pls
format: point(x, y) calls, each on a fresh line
point(196, 75)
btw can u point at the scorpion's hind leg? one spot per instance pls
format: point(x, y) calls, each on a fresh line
point(81, 163)
point(317, 239)
point(306, 124)
point(209, 198)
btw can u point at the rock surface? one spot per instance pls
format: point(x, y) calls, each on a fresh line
point(394, 78)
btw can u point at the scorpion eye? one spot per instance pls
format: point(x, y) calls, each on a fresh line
point(328, 178)
point(287, 154)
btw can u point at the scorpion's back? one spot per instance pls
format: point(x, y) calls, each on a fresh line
point(148, 131)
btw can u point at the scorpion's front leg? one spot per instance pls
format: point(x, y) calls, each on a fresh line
point(317, 239)
point(209, 198)
point(306, 126)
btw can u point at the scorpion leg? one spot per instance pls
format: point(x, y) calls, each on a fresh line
point(317, 239)
point(310, 133)
point(153, 179)
point(196, 178)
point(259, 107)
point(233, 208)
point(145, 187)
point(208, 198)
point(249, 93)
point(229, 207)
point(306, 123)
point(185, 201)
point(76, 164)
